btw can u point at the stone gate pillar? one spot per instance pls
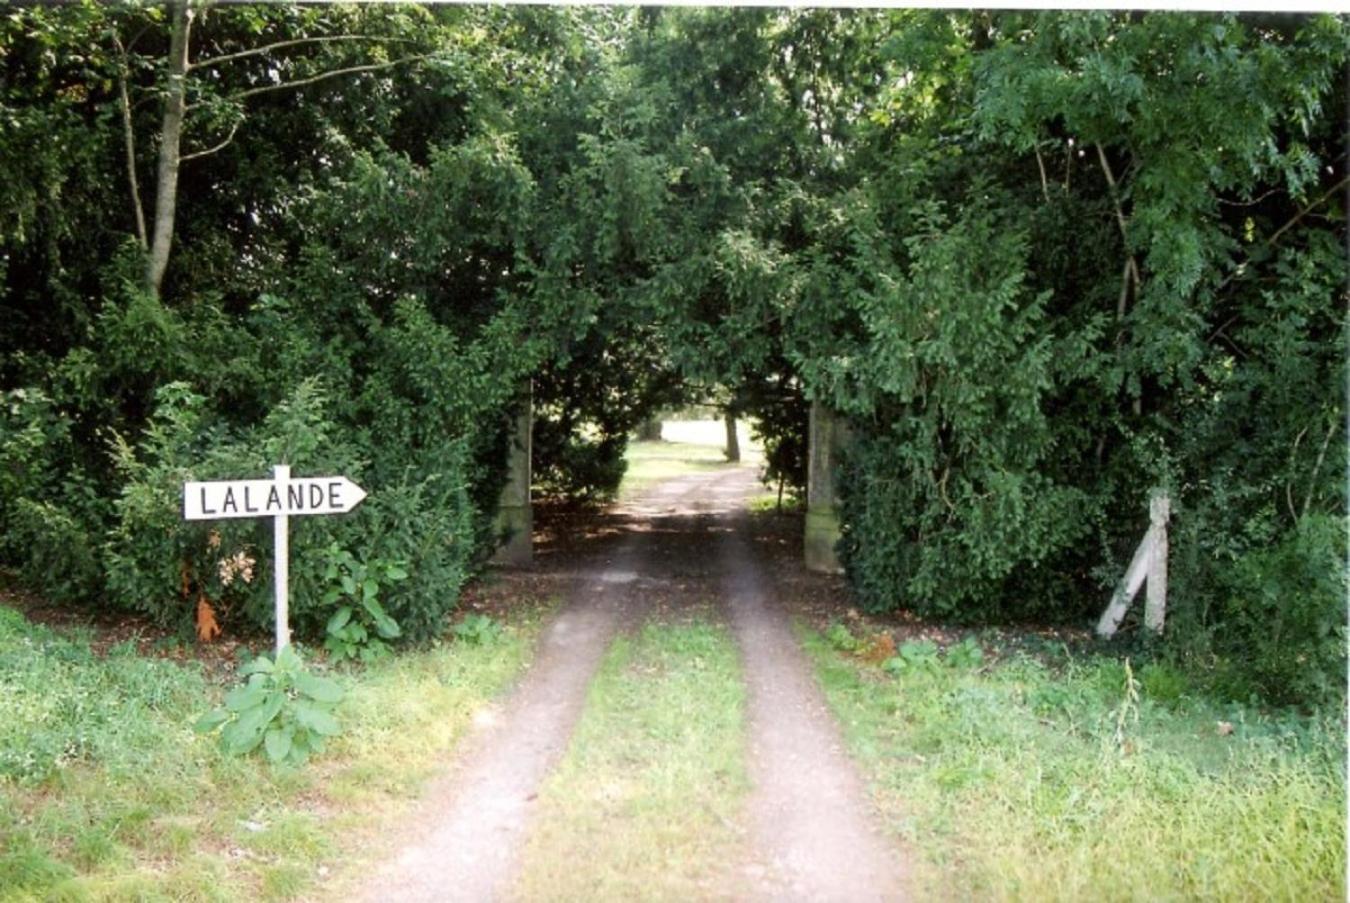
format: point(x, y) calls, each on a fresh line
point(826, 438)
point(515, 517)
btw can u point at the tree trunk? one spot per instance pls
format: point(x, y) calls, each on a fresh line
point(649, 430)
point(170, 140)
point(733, 443)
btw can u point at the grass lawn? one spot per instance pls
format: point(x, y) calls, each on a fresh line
point(643, 803)
point(106, 793)
point(687, 446)
point(652, 462)
point(1054, 777)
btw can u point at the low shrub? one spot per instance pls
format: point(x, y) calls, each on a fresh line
point(63, 558)
point(50, 513)
point(1280, 623)
point(164, 566)
point(282, 708)
point(477, 630)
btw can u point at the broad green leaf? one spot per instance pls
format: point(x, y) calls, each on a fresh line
point(373, 607)
point(243, 698)
point(388, 628)
point(278, 744)
point(244, 735)
point(316, 719)
point(289, 659)
point(211, 720)
point(260, 665)
point(271, 707)
point(339, 619)
point(337, 646)
point(320, 689)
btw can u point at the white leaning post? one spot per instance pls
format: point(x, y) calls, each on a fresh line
point(1155, 602)
point(1148, 564)
point(281, 524)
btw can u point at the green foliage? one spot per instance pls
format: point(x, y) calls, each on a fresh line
point(417, 534)
point(965, 655)
point(33, 436)
point(1163, 684)
point(574, 466)
point(419, 352)
point(1280, 627)
point(913, 655)
point(62, 558)
point(426, 527)
point(282, 708)
point(477, 629)
point(1042, 262)
point(950, 466)
point(781, 425)
point(1138, 293)
point(840, 637)
point(360, 626)
point(159, 563)
point(49, 512)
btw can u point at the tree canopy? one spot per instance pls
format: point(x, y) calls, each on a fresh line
point(1042, 262)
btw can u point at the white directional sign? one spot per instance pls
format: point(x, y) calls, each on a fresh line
point(268, 498)
point(277, 498)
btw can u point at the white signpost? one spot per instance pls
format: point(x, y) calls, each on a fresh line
point(277, 498)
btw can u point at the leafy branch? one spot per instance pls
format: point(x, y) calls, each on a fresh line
point(296, 42)
point(324, 76)
point(214, 148)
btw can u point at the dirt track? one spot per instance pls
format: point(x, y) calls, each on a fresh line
point(808, 819)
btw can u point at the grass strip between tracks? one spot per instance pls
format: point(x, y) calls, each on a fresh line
point(644, 803)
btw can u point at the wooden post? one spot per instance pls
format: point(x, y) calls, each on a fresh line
point(281, 532)
point(1155, 603)
point(1148, 564)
